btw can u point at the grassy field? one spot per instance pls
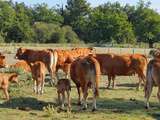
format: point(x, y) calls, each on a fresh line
point(122, 103)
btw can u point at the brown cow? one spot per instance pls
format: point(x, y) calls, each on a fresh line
point(112, 65)
point(23, 65)
point(38, 69)
point(152, 77)
point(2, 61)
point(63, 86)
point(5, 78)
point(63, 58)
point(85, 72)
point(44, 56)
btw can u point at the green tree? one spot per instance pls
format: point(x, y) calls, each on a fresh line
point(7, 16)
point(21, 30)
point(74, 10)
point(146, 23)
point(107, 24)
point(42, 13)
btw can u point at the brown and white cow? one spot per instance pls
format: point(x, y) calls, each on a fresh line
point(44, 56)
point(5, 78)
point(38, 69)
point(63, 58)
point(64, 87)
point(116, 65)
point(22, 64)
point(85, 73)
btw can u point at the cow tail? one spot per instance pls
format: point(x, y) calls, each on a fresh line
point(55, 59)
point(149, 79)
point(97, 77)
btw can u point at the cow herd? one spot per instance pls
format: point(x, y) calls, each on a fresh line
point(84, 67)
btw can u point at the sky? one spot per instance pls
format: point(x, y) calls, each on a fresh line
point(155, 4)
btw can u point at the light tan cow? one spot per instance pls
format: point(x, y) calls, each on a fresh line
point(38, 69)
point(5, 78)
point(23, 65)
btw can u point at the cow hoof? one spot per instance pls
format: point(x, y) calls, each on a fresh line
point(79, 103)
point(94, 109)
point(147, 107)
point(84, 108)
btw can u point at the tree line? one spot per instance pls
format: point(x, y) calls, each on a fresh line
point(78, 22)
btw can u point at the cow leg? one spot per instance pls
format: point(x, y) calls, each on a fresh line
point(67, 69)
point(109, 81)
point(38, 87)
point(85, 94)
point(79, 95)
point(63, 99)
point(148, 91)
point(94, 97)
point(158, 93)
point(35, 86)
point(69, 100)
point(59, 98)
point(5, 90)
point(139, 84)
point(42, 85)
point(113, 82)
point(41, 88)
point(141, 77)
point(53, 79)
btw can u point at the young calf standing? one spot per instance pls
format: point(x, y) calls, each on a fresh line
point(63, 86)
point(38, 69)
point(5, 78)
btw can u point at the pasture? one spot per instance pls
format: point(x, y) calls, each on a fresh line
point(122, 103)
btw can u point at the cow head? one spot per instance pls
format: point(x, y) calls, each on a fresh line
point(20, 53)
point(2, 61)
point(14, 78)
point(155, 53)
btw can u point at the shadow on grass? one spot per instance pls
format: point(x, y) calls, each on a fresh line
point(115, 105)
point(25, 103)
point(130, 106)
point(126, 85)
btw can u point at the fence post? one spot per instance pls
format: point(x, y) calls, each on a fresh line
point(133, 51)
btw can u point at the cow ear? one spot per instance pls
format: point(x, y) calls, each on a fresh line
point(21, 50)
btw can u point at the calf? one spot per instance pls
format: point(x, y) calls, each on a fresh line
point(38, 70)
point(152, 78)
point(23, 65)
point(5, 78)
point(85, 73)
point(63, 86)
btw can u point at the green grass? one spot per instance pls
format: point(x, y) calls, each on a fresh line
point(122, 103)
